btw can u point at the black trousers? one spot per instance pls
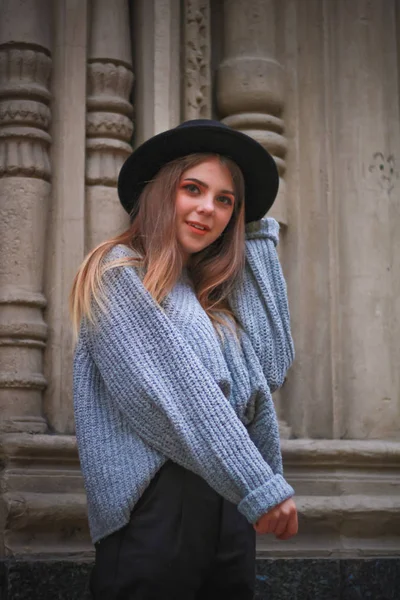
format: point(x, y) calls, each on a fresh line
point(183, 542)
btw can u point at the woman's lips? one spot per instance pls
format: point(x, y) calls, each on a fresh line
point(197, 230)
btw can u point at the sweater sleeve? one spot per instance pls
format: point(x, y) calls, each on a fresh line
point(171, 401)
point(260, 302)
point(264, 432)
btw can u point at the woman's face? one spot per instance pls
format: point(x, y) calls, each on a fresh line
point(204, 205)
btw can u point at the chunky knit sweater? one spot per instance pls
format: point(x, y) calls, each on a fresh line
point(153, 383)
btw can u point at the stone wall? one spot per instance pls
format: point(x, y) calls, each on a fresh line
point(316, 82)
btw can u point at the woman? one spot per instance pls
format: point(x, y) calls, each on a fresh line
point(183, 334)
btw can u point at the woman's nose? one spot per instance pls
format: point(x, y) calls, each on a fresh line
point(206, 205)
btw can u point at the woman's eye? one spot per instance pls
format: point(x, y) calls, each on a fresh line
point(192, 188)
point(226, 200)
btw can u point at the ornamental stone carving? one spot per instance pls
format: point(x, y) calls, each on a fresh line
point(197, 50)
point(24, 112)
point(109, 125)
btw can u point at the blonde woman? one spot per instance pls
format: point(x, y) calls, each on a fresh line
point(183, 333)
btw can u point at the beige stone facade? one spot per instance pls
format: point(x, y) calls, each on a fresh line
point(317, 83)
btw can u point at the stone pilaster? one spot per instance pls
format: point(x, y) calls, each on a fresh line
point(65, 235)
point(109, 124)
point(196, 67)
point(309, 242)
point(250, 83)
point(156, 31)
point(25, 69)
point(365, 209)
point(342, 247)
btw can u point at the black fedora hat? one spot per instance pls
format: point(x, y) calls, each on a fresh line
point(203, 135)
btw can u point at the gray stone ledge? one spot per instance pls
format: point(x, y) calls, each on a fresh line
point(370, 453)
point(348, 497)
point(297, 450)
point(32, 447)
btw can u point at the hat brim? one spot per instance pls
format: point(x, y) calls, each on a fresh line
point(257, 165)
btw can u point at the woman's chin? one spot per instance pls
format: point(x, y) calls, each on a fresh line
point(193, 248)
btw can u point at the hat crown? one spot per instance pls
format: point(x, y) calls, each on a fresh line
point(202, 123)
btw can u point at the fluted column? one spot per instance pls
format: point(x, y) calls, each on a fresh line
point(25, 69)
point(109, 124)
point(196, 57)
point(250, 84)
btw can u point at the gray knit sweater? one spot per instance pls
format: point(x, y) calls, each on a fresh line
point(155, 383)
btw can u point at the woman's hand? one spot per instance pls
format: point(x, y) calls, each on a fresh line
point(280, 520)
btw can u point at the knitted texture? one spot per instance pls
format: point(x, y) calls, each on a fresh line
point(153, 383)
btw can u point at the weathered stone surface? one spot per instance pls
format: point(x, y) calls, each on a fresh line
point(300, 579)
point(25, 117)
point(250, 82)
point(42, 502)
point(109, 118)
point(377, 579)
point(65, 236)
point(341, 247)
point(35, 580)
point(197, 60)
point(347, 493)
point(157, 66)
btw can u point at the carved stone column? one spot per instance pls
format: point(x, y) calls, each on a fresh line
point(109, 124)
point(196, 67)
point(250, 92)
point(25, 68)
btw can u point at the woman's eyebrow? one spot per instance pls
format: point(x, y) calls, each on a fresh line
point(206, 186)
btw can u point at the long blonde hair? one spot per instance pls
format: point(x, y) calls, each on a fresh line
point(152, 237)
